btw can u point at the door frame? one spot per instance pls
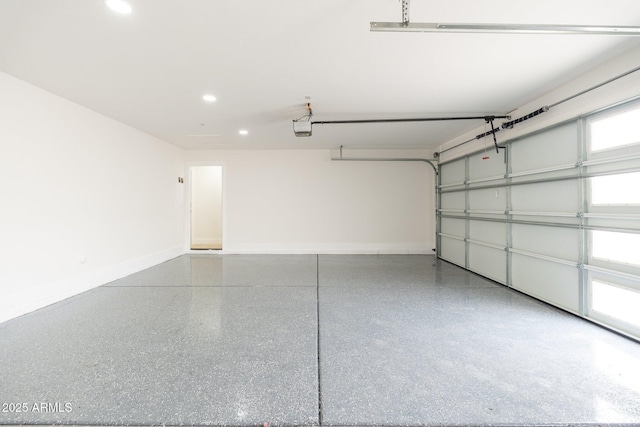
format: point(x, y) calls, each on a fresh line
point(188, 181)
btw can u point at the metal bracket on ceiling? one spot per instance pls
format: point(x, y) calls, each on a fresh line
point(503, 28)
point(405, 13)
point(490, 119)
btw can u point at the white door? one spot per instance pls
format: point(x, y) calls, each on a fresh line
point(206, 207)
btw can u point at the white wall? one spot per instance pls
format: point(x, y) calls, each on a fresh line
point(206, 205)
point(618, 91)
point(75, 184)
point(299, 201)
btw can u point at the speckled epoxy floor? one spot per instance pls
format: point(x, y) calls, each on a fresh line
point(233, 340)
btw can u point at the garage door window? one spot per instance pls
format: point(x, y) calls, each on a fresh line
point(616, 247)
point(616, 130)
point(616, 190)
point(616, 302)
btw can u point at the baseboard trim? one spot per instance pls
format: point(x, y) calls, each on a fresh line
point(341, 251)
point(26, 302)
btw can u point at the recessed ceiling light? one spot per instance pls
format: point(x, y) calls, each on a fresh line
point(119, 6)
point(209, 98)
point(243, 132)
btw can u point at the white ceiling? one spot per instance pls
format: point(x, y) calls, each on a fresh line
point(261, 58)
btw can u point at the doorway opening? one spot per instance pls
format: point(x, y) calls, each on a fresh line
point(206, 208)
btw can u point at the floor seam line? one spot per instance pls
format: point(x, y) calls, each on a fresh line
point(318, 333)
point(203, 286)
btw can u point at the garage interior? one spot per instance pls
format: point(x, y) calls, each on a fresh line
point(320, 214)
point(335, 340)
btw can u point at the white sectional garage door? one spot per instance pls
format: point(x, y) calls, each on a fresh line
point(555, 214)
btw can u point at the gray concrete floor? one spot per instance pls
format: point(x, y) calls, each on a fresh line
point(309, 340)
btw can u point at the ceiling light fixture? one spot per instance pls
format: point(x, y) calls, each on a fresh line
point(119, 6)
point(243, 132)
point(433, 27)
point(209, 98)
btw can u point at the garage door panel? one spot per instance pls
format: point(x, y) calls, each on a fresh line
point(454, 227)
point(488, 199)
point(453, 173)
point(487, 165)
point(547, 280)
point(488, 232)
point(551, 148)
point(453, 250)
point(453, 201)
point(489, 262)
point(552, 197)
point(557, 242)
